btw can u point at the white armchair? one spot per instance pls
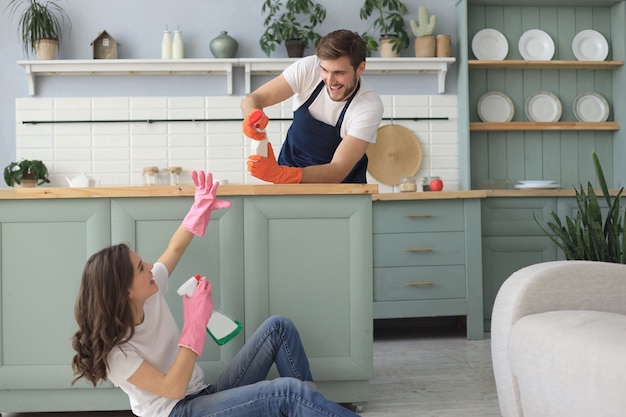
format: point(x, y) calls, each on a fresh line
point(558, 340)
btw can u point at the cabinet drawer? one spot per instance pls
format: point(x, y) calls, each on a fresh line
point(419, 283)
point(417, 216)
point(415, 249)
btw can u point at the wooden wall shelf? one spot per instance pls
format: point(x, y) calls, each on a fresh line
point(551, 65)
point(480, 126)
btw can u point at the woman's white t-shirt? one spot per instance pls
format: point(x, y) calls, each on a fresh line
point(156, 341)
point(363, 115)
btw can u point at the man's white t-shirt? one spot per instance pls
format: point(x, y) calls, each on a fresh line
point(156, 341)
point(363, 115)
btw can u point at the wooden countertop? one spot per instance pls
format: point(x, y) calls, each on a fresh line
point(185, 190)
point(273, 189)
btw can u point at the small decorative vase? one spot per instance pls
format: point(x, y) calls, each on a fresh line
point(224, 46)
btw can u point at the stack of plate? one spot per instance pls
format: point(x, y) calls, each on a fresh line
point(536, 184)
point(494, 106)
point(591, 107)
point(543, 106)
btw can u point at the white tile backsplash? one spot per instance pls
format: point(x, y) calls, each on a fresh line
point(115, 153)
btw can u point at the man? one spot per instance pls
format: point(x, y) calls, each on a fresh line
point(336, 116)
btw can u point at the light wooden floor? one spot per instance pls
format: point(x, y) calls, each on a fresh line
point(422, 368)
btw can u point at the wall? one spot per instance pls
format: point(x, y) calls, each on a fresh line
point(138, 25)
point(116, 153)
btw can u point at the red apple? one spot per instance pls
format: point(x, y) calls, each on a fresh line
point(436, 185)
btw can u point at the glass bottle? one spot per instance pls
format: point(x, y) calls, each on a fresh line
point(177, 45)
point(175, 175)
point(166, 44)
point(150, 175)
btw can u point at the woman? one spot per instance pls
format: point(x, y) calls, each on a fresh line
point(127, 334)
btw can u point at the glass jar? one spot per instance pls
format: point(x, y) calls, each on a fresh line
point(426, 184)
point(407, 184)
point(150, 175)
point(174, 175)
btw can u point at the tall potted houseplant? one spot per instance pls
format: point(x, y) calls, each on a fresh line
point(293, 22)
point(39, 25)
point(588, 236)
point(389, 24)
point(26, 173)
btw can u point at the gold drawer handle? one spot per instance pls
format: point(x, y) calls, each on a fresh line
point(419, 283)
point(419, 249)
point(418, 215)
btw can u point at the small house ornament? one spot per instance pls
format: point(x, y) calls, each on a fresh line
point(104, 46)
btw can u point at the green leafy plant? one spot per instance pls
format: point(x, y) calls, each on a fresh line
point(38, 20)
point(388, 21)
point(290, 20)
point(588, 237)
point(34, 169)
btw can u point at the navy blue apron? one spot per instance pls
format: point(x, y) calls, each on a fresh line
point(312, 142)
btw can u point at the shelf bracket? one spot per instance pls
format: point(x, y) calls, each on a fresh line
point(31, 79)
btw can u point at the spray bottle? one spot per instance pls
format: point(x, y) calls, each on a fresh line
point(258, 147)
point(221, 327)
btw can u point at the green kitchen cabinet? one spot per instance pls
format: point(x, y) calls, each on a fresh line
point(310, 258)
point(45, 245)
point(512, 239)
point(427, 260)
point(306, 257)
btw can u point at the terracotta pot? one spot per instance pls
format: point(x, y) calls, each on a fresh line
point(386, 47)
point(46, 48)
point(295, 48)
point(425, 46)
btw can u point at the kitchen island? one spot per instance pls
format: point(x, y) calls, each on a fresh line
point(303, 251)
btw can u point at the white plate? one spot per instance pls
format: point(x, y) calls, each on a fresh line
point(589, 45)
point(543, 106)
point(591, 107)
point(536, 182)
point(494, 106)
point(536, 45)
point(537, 186)
point(490, 44)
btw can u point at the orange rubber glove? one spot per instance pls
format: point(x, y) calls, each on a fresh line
point(254, 125)
point(267, 169)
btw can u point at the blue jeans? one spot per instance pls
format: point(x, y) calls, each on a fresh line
point(242, 390)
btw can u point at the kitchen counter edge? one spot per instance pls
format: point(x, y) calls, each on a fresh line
point(185, 191)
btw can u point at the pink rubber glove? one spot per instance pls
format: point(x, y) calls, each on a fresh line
point(197, 311)
point(205, 201)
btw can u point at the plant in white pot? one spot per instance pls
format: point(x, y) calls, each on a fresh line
point(423, 29)
point(39, 26)
point(26, 173)
point(293, 22)
point(390, 25)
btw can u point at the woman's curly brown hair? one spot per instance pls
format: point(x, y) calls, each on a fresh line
point(103, 311)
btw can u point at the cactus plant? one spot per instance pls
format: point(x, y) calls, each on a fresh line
point(425, 25)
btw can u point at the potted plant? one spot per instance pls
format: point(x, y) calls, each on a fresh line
point(423, 28)
point(390, 25)
point(39, 25)
point(26, 173)
point(292, 22)
point(588, 237)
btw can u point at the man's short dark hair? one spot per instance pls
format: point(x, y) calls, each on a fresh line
point(340, 43)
